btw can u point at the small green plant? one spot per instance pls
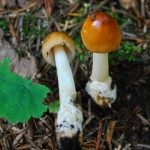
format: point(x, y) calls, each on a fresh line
point(32, 27)
point(20, 98)
point(54, 106)
point(127, 51)
point(124, 21)
point(120, 19)
point(81, 55)
point(4, 25)
point(78, 41)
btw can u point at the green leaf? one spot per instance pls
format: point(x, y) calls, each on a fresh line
point(20, 98)
point(53, 107)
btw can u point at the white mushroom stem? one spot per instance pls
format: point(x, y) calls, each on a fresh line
point(69, 117)
point(64, 73)
point(100, 69)
point(99, 87)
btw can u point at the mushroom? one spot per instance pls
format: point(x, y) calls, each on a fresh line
point(59, 49)
point(101, 34)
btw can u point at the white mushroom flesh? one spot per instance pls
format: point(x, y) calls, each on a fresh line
point(99, 85)
point(69, 118)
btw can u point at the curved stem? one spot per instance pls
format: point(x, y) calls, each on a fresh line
point(64, 73)
point(100, 69)
point(69, 118)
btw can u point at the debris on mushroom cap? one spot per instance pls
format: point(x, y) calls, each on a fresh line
point(100, 33)
point(56, 39)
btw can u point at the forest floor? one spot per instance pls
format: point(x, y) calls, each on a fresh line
point(124, 126)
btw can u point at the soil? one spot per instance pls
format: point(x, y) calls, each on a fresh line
point(128, 112)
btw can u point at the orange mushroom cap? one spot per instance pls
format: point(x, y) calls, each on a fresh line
point(100, 33)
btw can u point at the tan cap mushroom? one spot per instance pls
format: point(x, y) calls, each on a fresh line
point(56, 39)
point(58, 49)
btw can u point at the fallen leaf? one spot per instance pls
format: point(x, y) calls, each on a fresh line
point(147, 23)
point(49, 4)
point(110, 131)
point(1, 34)
point(24, 66)
point(28, 3)
point(22, 3)
point(11, 4)
point(3, 2)
point(7, 51)
point(23, 147)
point(146, 70)
point(131, 4)
point(147, 7)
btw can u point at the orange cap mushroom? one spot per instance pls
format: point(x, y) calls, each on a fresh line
point(100, 33)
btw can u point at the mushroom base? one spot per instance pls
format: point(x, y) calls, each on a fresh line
point(101, 92)
point(69, 122)
point(73, 143)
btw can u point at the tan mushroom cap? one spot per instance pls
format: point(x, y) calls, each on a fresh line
point(57, 39)
point(100, 33)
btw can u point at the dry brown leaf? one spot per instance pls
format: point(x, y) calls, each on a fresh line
point(49, 4)
point(147, 7)
point(1, 34)
point(131, 4)
point(28, 3)
point(147, 23)
point(3, 2)
point(147, 69)
point(23, 147)
point(110, 131)
point(22, 3)
point(50, 144)
point(18, 137)
point(25, 66)
point(99, 136)
point(11, 3)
